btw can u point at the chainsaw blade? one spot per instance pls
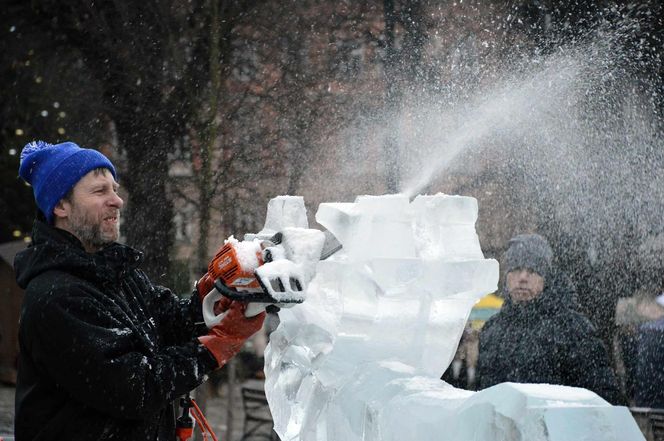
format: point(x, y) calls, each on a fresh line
point(251, 297)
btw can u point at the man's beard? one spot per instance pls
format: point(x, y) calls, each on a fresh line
point(89, 231)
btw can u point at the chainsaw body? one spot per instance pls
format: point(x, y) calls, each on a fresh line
point(273, 271)
point(233, 268)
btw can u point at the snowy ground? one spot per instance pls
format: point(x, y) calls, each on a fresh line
point(216, 413)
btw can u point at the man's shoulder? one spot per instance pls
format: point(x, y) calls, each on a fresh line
point(54, 279)
point(572, 323)
point(54, 286)
point(496, 321)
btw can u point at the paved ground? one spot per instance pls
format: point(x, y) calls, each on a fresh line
point(6, 412)
point(216, 413)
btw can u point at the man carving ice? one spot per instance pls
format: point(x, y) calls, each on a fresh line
point(104, 352)
point(537, 337)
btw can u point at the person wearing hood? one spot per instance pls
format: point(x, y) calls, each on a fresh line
point(538, 336)
point(104, 352)
point(649, 384)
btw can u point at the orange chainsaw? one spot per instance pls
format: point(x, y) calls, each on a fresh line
point(273, 271)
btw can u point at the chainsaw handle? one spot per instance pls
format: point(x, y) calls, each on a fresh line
point(209, 317)
point(212, 320)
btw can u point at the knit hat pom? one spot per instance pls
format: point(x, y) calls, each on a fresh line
point(33, 147)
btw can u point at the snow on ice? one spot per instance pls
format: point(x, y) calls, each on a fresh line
point(247, 252)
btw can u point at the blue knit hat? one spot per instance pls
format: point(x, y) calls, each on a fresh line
point(54, 169)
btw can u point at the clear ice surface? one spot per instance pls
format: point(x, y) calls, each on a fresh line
point(282, 212)
point(362, 357)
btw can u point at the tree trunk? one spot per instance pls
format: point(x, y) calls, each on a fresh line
point(149, 224)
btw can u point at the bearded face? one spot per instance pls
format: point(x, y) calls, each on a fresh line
point(95, 229)
point(92, 212)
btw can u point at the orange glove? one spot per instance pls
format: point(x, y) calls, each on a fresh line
point(226, 339)
point(203, 288)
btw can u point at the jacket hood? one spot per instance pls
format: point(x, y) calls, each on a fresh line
point(59, 250)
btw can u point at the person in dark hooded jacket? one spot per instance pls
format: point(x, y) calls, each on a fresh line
point(649, 388)
point(103, 351)
point(537, 337)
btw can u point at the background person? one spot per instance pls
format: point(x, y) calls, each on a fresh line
point(537, 337)
point(649, 384)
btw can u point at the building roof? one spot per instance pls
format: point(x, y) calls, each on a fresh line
point(8, 250)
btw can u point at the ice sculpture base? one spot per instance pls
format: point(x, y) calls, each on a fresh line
point(419, 408)
point(390, 401)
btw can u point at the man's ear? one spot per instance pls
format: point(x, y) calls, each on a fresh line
point(61, 209)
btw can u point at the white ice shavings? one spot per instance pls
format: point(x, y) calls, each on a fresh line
point(120, 331)
point(304, 246)
point(246, 252)
point(286, 271)
point(146, 362)
point(195, 365)
point(296, 258)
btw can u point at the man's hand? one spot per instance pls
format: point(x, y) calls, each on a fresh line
point(226, 339)
point(204, 285)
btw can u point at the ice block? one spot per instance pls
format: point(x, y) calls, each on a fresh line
point(362, 357)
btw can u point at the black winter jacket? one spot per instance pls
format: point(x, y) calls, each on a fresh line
point(545, 341)
point(103, 351)
point(650, 366)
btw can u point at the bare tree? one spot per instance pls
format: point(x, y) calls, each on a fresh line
point(142, 56)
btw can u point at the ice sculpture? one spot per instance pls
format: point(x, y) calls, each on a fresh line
point(362, 357)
